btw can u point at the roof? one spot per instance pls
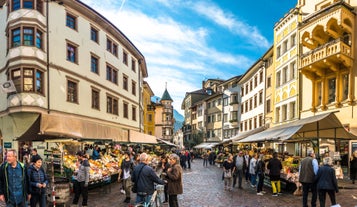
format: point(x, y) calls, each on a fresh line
point(166, 96)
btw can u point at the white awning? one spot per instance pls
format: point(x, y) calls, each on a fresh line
point(166, 142)
point(319, 126)
point(206, 145)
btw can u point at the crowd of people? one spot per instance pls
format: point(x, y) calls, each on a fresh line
point(319, 179)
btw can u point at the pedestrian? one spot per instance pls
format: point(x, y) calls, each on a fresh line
point(205, 158)
point(353, 167)
point(34, 155)
point(260, 173)
point(275, 166)
point(228, 170)
point(247, 160)
point(188, 157)
point(126, 167)
point(174, 180)
point(14, 187)
point(252, 171)
point(241, 166)
point(307, 171)
point(165, 164)
point(38, 182)
point(183, 159)
point(96, 155)
point(326, 182)
point(144, 178)
point(82, 179)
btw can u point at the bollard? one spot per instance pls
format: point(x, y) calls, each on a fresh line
point(54, 196)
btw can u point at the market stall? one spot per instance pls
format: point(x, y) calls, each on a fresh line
point(323, 133)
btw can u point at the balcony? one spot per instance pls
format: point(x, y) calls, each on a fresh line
point(234, 122)
point(334, 52)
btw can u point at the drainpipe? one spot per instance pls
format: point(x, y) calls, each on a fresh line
point(140, 84)
point(48, 57)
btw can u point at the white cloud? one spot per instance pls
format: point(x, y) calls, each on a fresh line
point(175, 53)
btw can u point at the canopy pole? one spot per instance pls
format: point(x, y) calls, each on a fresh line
point(318, 139)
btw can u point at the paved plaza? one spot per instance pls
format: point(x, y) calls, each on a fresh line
point(203, 187)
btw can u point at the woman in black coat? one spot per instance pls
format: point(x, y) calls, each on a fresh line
point(326, 182)
point(353, 167)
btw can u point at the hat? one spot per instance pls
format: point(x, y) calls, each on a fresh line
point(80, 153)
point(35, 158)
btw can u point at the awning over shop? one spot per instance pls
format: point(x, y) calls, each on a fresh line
point(48, 126)
point(166, 142)
point(319, 126)
point(138, 137)
point(243, 135)
point(206, 145)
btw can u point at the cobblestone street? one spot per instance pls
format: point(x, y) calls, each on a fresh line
point(203, 187)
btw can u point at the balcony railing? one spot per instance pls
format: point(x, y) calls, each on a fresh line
point(336, 47)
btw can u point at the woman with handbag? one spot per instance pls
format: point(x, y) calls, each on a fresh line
point(228, 170)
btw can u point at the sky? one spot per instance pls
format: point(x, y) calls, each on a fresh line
point(185, 42)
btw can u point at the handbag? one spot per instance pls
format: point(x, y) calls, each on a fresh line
point(227, 174)
point(134, 188)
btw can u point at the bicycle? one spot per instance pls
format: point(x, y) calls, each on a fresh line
point(155, 200)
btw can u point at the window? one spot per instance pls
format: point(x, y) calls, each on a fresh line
point(112, 47)
point(72, 91)
point(28, 37)
point(250, 104)
point(133, 65)
point(133, 113)
point(277, 114)
point(94, 64)
point(95, 99)
point(225, 101)
point(345, 83)
point(225, 117)
point(331, 90)
point(133, 88)
point(292, 110)
point(38, 39)
point(150, 117)
point(285, 46)
point(268, 106)
point(112, 74)
point(260, 97)
point(319, 93)
point(28, 80)
point(268, 82)
point(125, 110)
point(255, 101)
point(39, 6)
point(94, 34)
point(16, 5)
point(71, 21)
point(16, 37)
point(285, 75)
point(293, 40)
point(125, 82)
point(112, 105)
point(71, 53)
point(255, 80)
point(278, 78)
point(261, 76)
point(242, 108)
point(292, 70)
point(125, 57)
point(278, 51)
point(284, 112)
point(28, 4)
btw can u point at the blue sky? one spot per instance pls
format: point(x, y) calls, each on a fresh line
point(187, 41)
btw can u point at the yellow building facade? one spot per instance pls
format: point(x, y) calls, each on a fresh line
point(327, 61)
point(148, 110)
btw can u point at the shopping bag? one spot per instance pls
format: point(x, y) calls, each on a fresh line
point(298, 191)
point(228, 174)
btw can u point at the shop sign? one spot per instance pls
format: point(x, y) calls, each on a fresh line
point(7, 145)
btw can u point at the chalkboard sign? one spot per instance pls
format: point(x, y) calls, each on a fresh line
point(7, 144)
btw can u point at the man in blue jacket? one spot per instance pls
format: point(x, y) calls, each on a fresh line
point(144, 177)
point(14, 188)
